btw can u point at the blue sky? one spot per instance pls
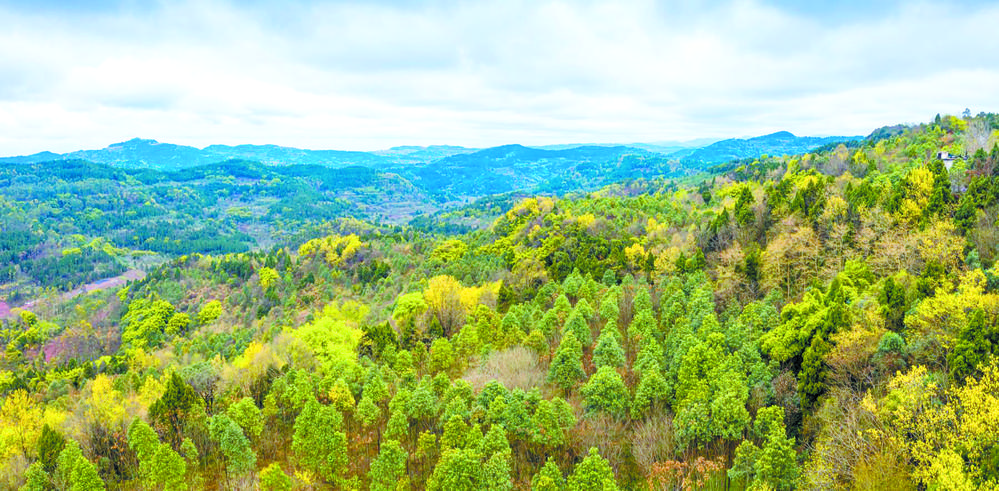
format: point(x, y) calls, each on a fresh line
point(375, 74)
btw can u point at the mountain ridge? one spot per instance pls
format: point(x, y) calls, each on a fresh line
point(150, 153)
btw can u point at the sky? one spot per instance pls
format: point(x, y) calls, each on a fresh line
point(367, 75)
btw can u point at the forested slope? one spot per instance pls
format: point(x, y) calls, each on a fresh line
point(818, 321)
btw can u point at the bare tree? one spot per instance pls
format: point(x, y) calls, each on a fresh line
point(977, 136)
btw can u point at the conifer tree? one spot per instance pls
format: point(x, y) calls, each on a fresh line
point(389, 468)
point(605, 391)
point(608, 352)
point(593, 473)
point(566, 368)
point(549, 478)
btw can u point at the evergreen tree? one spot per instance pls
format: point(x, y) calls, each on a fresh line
point(318, 441)
point(237, 455)
point(389, 468)
point(171, 411)
point(85, 477)
point(169, 469)
point(66, 464)
point(247, 415)
point(605, 391)
point(50, 443)
point(593, 473)
point(566, 368)
point(36, 479)
point(457, 470)
point(608, 352)
point(549, 478)
point(651, 395)
point(579, 328)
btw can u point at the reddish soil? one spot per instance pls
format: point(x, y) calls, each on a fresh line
point(113, 282)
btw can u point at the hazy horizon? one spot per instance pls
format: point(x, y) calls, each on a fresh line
point(375, 75)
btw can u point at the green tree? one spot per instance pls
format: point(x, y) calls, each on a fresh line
point(975, 344)
point(549, 478)
point(496, 473)
point(389, 468)
point(66, 464)
point(170, 412)
point(247, 415)
point(893, 305)
point(566, 368)
point(774, 465)
point(652, 394)
point(237, 455)
point(550, 425)
point(605, 391)
point(169, 469)
point(457, 470)
point(593, 473)
point(50, 443)
point(85, 477)
point(144, 441)
point(608, 352)
point(578, 327)
point(272, 478)
point(36, 479)
point(319, 442)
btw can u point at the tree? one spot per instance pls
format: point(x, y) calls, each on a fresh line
point(50, 443)
point(775, 464)
point(549, 478)
point(608, 352)
point(209, 312)
point(443, 299)
point(593, 473)
point(66, 464)
point(178, 323)
point(170, 412)
point(389, 468)
point(605, 391)
point(246, 414)
point(651, 395)
point(976, 343)
point(457, 470)
point(566, 368)
point(144, 442)
point(893, 305)
point(496, 473)
point(237, 455)
point(272, 478)
point(85, 477)
point(268, 276)
point(550, 425)
point(36, 479)
point(169, 469)
point(318, 441)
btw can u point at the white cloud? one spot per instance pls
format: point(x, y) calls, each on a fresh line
point(372, 75)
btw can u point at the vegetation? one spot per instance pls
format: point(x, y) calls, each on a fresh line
point(814, 321)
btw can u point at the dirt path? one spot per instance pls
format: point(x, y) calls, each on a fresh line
point(113, 282)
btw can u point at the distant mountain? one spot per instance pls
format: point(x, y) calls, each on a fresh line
point(518, 168)
point(780, 143)
point(456, 173)
point(142, 154)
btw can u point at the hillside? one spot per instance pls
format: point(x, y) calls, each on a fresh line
point(780, 143)
point(822, 320)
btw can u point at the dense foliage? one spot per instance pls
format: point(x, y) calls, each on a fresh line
point(817, 321)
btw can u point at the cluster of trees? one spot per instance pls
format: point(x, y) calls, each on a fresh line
point(819, 321)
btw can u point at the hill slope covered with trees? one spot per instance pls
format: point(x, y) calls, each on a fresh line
point(818, 321)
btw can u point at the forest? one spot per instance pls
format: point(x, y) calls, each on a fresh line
point(825, 320)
